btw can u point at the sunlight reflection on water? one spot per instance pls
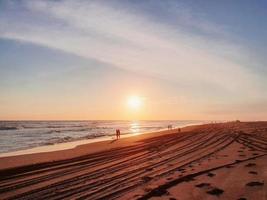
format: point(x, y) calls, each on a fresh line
point(135, 128)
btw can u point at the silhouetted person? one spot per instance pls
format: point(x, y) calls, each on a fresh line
point(119, 133)
point(179, 130)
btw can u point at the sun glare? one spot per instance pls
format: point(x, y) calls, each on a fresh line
point(134, 102)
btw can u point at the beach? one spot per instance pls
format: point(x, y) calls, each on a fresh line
point(225, 160)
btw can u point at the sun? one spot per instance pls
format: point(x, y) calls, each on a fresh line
point(134, 102)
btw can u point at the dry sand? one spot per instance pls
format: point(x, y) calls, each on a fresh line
point(214, 161)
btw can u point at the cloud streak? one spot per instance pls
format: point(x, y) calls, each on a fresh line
point(187, 50)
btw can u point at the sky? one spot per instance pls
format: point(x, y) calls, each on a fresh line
point(83, 60)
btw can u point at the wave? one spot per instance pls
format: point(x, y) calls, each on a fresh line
point(8, 128)
point(27, 134)
point(57, 140)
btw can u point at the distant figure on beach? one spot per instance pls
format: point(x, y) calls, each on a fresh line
point(118, 134)
point(179, 130)
point(169, 127)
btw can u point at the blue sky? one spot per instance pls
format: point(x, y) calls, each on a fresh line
point(80, 59)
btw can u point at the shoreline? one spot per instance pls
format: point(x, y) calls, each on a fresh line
point(52, 155)
point(76, 143)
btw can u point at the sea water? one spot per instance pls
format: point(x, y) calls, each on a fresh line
point(20, 135)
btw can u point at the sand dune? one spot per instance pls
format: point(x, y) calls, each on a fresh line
point(227, 160)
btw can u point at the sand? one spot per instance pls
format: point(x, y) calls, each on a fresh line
point(225, 161)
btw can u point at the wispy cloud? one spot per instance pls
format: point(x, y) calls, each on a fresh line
point(187, 50)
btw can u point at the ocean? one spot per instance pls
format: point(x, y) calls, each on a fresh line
point(20, 135)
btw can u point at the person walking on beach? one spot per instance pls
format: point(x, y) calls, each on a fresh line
point(118, 134)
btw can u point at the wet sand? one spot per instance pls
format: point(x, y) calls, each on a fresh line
point(226, 160)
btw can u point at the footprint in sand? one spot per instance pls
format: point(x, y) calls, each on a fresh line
point(210, 174)
point(188, 179)
point(201, 185)
point(250, 165)
point(242, 198)
point(159, 192)
point(255, 183)
point(215, 191)
point(146, 179)
point(149, 169)
point(182, 170)
point(171, 198)
point(252, 172)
